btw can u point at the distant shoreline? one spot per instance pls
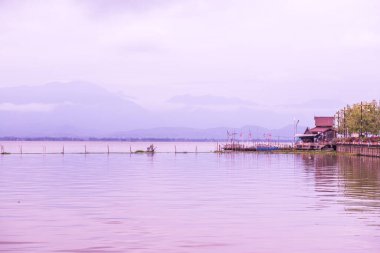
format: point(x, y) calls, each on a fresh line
point(129, 139)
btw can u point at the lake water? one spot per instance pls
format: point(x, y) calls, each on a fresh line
point(202, 202)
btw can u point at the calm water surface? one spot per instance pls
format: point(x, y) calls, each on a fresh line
point(189, 203)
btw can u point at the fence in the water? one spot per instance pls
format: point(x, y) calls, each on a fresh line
point(103, 148)
point(359, 149)
point(131, 147)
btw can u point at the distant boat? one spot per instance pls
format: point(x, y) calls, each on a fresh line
point(266, 148)
point(151, 149)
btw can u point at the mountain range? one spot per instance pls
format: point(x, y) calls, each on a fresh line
point(80, 109)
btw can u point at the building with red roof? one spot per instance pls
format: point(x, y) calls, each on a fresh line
point(319, 136)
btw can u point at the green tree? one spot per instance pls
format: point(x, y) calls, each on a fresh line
point(361, 118)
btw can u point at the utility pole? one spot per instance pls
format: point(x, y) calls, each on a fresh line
point(295, 131)
point(338, 116)
point(361, 119)
point(344, 123)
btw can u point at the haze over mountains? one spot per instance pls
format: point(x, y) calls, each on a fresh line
point(79, 109)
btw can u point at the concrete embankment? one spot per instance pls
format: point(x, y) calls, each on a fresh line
point(359, 149)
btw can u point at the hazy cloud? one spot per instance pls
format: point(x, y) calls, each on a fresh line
point(271, 52)
point(316, 104)
point(102, 7)
point(208, 100)
point(32, 107)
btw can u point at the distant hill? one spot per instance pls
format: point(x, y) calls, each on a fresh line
point(80, 109)
point(66, 109)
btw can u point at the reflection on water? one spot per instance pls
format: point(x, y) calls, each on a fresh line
point(361, 176)
point(357, 179)
point(189, 203)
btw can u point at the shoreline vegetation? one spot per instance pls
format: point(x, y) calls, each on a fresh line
point(358, 129)
point(360, 121)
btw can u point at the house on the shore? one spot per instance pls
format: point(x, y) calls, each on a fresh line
point(318, 137)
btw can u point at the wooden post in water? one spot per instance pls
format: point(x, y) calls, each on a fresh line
point(130, 149)
point(196, 149)
point(108, 149)
point(175, 149)
point(21, 149)
point(85, 149)
point(63, 149)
